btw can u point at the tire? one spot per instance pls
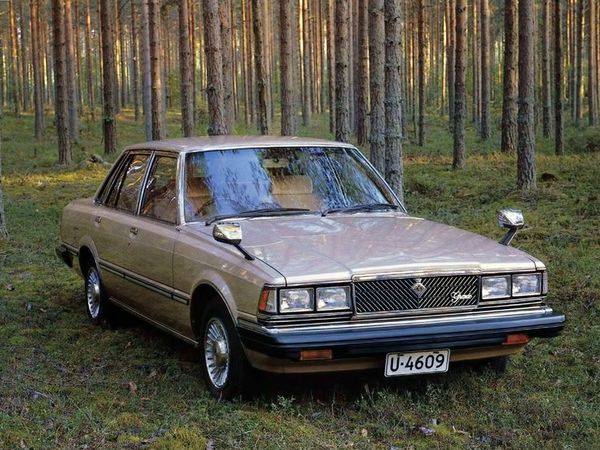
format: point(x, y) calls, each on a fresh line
point(225, 368)
point(97, 305)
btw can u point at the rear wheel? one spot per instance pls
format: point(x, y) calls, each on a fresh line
point(224, 363)
point(97, 305)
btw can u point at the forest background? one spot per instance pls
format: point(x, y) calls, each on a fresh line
point(465, 106)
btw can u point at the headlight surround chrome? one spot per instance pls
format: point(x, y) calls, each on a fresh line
point(526, 284)
point(296, 300)
point(333, 298)
point(495, 287)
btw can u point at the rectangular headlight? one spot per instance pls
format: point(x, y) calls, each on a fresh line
point(296, 300)
point(527, 284)
point(495, 287)
point(333, 298)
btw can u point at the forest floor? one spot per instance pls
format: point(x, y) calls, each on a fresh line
point(67, 384)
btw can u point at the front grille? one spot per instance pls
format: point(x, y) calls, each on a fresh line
point(402, 294)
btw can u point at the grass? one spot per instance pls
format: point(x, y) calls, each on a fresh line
point(67, 384)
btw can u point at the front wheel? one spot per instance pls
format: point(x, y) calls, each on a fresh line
point(225, 367)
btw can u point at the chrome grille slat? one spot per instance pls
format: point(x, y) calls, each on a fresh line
point(396, 294)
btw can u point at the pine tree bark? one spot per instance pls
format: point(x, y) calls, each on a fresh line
point(135, 64)
point(393, 106)
point(38, 80)
point(108, 76)
point(509, 104)
point(526, 121)
point(546, 105)
point(578, 63)
point(156, 82)
point(342, 71)
point(261, 69)
point(307, 104)
point(450, 56)
point(485, 69)
point(362, 99)
point(13, 61)
point(226, 56)
point(421, 77)
point(460, 92)
point(558, 79)
point(331, 68)
point(377, 90)
point(89, 63)
point(146, 68)
point(592, 61)
point(288, 123)
point(71, 73)
point(214, 68)
point(185, 66)
point(60, 84)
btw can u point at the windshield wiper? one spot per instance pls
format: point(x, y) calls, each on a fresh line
point(257, 213)
point(357, 208)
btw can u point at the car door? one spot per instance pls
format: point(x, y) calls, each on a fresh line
point(150, 245)
point(115, 210)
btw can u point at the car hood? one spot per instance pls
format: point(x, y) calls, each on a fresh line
point(338, 247)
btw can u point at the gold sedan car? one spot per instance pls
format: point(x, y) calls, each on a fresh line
point(293, 255)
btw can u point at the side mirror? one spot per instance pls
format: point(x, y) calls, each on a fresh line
point(512, 219)
point(231, 233)
point(228, 233)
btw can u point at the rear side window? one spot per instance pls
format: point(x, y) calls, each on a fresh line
point(160, 198)
point(125, 192)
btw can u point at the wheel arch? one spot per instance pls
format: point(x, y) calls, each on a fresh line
point(203, 295)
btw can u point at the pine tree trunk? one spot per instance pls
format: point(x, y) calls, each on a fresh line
point(71, 73)
point(558, 79)
point(262, 83)
point(185, 73)
point(460, 92)
point(546, 106)
point(307, 104)
point(377, 88)
point(89, 63)
point(38, 92)
point(288, 124)
point(214, 68)
point(22, 54)
point(13, 61)
point(362, 99)
point(146, 68)
point(2, 78)
point(592, 61)
point(226, 56)
point(156, 82)
point(135, 64)
point(3, 228)
point(342, 71)
point(331, 68)
point(421, 81)
point(450, 56)
point(509, 105)
point(393, 108)
point(108, 77)
point(526, 121)
point(578, 64)
point(60, 84)
point(485, 69)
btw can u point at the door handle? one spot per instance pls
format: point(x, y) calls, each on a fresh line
point(98, 219)
point(133, 230)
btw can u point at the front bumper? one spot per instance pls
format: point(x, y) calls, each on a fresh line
point(360, 339)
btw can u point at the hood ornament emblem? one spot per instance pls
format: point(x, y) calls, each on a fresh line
point(418, 288)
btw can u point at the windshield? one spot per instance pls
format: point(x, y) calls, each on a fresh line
point(222, 182)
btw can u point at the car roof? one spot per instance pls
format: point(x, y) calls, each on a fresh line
point(225, 142)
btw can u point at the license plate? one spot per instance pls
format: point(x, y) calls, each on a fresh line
point(397, 364)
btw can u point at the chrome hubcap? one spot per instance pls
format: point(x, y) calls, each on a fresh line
point(92, 293)
point(216, 352)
